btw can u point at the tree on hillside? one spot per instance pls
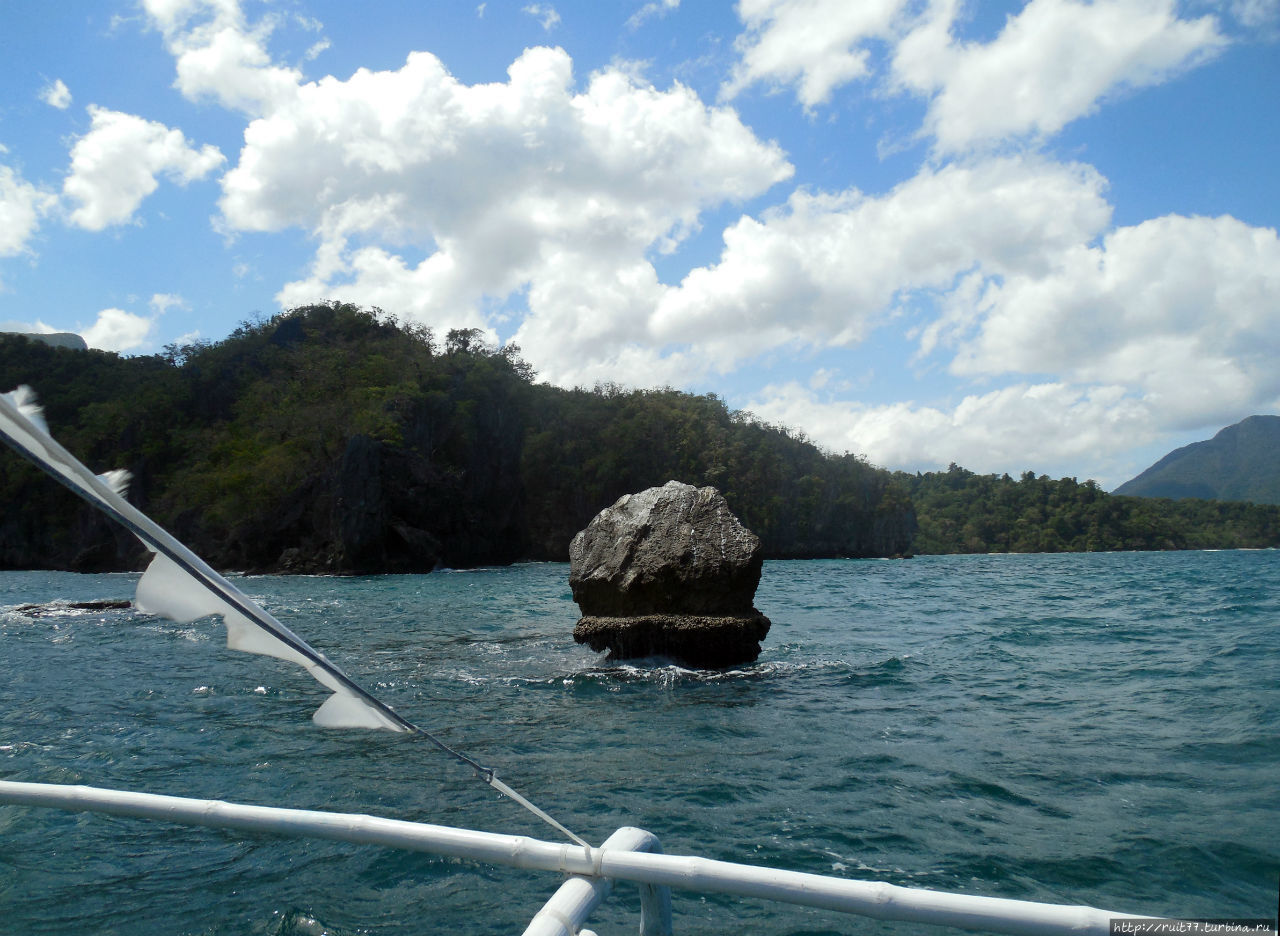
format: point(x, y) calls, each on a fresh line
point(963, 512)
point(335, 438)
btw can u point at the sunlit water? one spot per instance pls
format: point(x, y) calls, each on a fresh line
point(1098, 729)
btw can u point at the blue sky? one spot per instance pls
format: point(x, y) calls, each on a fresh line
point(1011, 235)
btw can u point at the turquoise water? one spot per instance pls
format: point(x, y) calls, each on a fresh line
point(1099, 729)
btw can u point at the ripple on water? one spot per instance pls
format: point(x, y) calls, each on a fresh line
point(1062, 728)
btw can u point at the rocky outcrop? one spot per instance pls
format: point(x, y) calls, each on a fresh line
point(671, 572)
point(700, 641)
point(373, 517)
point(54, 339)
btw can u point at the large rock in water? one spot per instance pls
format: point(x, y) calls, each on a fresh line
point(669, 572)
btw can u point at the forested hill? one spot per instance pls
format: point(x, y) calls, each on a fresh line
point(1240, 463)
point(963, 512)
point(332, 439)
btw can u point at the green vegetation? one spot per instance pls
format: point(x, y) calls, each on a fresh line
point(963, 512)
point(335, 439)
point(332, 438)
point(591, 447)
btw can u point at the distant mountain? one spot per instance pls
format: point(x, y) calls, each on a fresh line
point(1240, 463)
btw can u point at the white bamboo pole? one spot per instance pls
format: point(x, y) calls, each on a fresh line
point(569, 906)
point(577, 898)
point(867, 898)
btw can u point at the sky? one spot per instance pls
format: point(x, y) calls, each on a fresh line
point(1014, 236)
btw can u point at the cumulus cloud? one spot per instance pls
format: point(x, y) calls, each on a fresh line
point(451, 202)
point(441, 199)
point(1186, 310)
point(1019, 427)
point(535, 206)
point(824, 271)
point(118, 330)
point(373, 276)
point(1160, 328)
point(1051, 64)
point(828, 269)
point(815, 45)
point(22, 205)
point(114, 166)
point(220, 56)
point(56, 94)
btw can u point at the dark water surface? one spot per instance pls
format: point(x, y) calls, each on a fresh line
point(1100, 729)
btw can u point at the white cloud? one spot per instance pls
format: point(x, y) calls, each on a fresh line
point(220, 56)
point(114, 166)
point(658, 8)
point(28, 328)
point(1157, 329)
point(435, 292)
point(1256, 14)
point(118, 330)
point(535, 205)
point(830, 268)
point(1163, 327)
point(816, 45)
point(22, 205)
point(163, 302)
point(56, 94)
point(1051, 64)
point(173, 15)
point(315, 50)
point(1020, 427)
point(441, 200)
point(545, 13)
point(1184, 310)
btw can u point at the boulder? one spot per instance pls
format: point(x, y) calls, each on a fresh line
point(671, 572)
point(699, 641)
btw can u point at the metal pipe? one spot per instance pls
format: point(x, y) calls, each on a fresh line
point(867, 898)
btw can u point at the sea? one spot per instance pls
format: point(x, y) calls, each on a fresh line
point(1098, 729)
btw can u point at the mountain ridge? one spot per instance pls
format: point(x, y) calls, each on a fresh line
point(1240, 463)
